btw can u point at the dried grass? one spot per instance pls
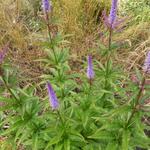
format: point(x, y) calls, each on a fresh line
point(137, 38)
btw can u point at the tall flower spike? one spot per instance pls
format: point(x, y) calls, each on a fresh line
point(113, 12)
point(146, 66)
point(52, 97)
point(46, 5)
point(90, 72)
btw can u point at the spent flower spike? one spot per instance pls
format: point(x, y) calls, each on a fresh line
point(52, 97)
point(3, 53)
point(46, 4)
point(146, 66)
point(90, 71)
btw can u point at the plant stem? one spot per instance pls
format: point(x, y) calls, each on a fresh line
point(110, 39)
point(90, 83)
point(50, 37)
point(8, 88)
point(52, 46)
point(108, 57)
point(48, 26)
point(90, 87)
point(137, 102)
point(62, 121)
point(107, 62)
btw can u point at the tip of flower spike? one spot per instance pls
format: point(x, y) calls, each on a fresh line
point(46, 4)
point(52, 97)
point(109, 21)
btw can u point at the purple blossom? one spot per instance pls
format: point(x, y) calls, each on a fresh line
point(111, 21)
point(113, 12)
point(90, 72)
point(3, 53)
point(52, 97)
point(46, 5)
point(118, 23)
point(146, 66)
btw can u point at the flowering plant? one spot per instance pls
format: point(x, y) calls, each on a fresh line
point(102, 114)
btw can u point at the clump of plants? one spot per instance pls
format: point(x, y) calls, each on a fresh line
point(98, 108)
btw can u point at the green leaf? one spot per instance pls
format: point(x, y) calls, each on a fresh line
point(102, 135)
point(106, 91)
point(6, 107)
point(16, 125)
point(59, 147)
point(35, 142)
point(77, 134)
point(54, 140)
point(140, 141)
point(125, 140)
point(119, 110)
point(138, 74)
point(112, 146)
point(19, 132)
point(85, 118)
point(4, 99)
point(66, 144)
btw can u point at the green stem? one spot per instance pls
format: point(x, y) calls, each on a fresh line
point(107, 63)
point(61, 119)
point(8, 88)
point(137, 102)
point(50, 37)
point(110, 39)
point(90, 84)
point(48, 26)
point(108, 58)
point(60, 79)
point(54, 53)
point(90, 87)
point(52, 46)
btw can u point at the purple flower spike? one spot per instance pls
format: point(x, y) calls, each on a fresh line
point(52, 97)
point(111, 21)
point(113, 12)
point(90, 72)
point(46, 5)
point(146, 66)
